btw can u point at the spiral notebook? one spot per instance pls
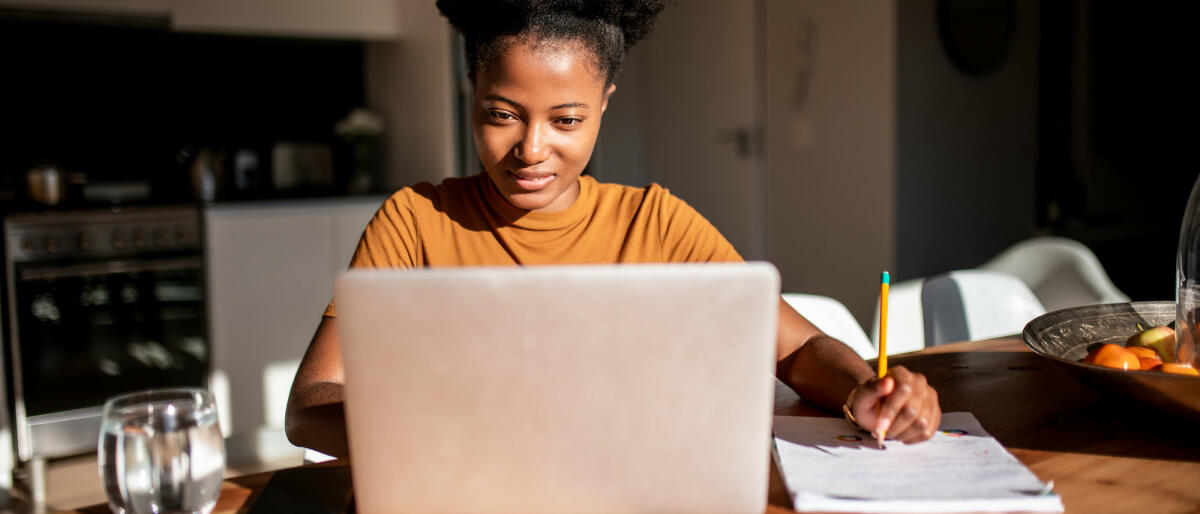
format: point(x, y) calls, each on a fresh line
point(829, 466)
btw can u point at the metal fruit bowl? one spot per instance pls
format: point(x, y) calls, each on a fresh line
point(1064, 336)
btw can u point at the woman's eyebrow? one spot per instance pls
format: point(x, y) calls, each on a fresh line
point(499, 98)
point(503, 99)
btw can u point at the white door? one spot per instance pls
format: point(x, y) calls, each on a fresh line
point(684, 116)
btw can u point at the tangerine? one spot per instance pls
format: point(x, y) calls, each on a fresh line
point(1113, 356)
point(1147, 363)
point(1142, 351)
point(1176, 368)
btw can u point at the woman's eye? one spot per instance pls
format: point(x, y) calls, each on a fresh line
point(501, 116)
point(570, 122)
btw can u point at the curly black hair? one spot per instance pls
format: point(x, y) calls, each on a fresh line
point(608, 28)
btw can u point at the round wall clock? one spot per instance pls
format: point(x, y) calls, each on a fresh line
point(977, 34)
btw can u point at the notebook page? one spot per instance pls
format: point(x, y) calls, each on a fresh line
point(828, 465)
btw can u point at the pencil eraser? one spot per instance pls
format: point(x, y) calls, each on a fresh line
point(886, 278)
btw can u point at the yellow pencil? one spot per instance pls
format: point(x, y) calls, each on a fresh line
point(883, 300)
point(882, 362)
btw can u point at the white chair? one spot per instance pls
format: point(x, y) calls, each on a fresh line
point(834, 319)
point(1061, 272)
point(956, 306)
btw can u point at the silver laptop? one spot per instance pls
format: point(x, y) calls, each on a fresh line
point(560, 388)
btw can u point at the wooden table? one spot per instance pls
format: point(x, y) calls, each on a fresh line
point(1102, 454)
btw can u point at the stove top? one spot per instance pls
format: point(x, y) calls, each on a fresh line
point(95, 233)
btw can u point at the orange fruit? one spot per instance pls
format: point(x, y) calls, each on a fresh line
point(1113, 356)
point(1176, 368)
point(1142, 351)
point(1146, 363)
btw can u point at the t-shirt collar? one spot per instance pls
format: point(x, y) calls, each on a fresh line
point(521, 218)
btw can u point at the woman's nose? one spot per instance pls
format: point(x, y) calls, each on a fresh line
point(532, 148)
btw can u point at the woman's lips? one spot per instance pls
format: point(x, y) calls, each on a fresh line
point(531, 181)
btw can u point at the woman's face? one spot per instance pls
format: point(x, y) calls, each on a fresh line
point(537, 115)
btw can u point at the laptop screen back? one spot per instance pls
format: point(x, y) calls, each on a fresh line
point(560, 388)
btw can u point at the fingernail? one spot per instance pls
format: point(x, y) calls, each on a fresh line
point(882, 425)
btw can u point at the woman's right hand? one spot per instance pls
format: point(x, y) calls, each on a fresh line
point(902, 406)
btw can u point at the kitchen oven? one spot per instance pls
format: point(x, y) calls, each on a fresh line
point(98, 303)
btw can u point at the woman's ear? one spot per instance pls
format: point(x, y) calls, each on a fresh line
point(607, 94)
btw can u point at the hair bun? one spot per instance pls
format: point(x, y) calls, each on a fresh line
point(635, 18)
point(608, 27)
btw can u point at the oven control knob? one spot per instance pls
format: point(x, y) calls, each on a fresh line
point(180, 235)
point(85, 242)
point(28, 246)
point(160, 237)
point(50, 244)
point(118, 239)
point(139, 238)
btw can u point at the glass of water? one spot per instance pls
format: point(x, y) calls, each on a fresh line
point(161, 452)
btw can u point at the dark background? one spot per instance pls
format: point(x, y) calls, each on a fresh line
point(120, 101)
point(1115, 111)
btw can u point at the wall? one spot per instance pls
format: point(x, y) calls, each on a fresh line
point(879, 155)
point(411, 81)
point(965, 148)
point(621, 150)
point(830, 147)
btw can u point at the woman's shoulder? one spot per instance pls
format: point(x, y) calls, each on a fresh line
point(429, 196)
point(650, 198)
point(612, 190)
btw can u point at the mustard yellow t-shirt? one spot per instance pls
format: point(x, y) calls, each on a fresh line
point(466, 222)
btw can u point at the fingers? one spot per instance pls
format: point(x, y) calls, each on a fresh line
point(864, 401)
point(910, 413)
point(869, 394)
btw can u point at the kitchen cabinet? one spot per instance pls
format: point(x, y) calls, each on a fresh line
point(270, 268)
point(352, 19)
point(344, 19)
point(156, 8)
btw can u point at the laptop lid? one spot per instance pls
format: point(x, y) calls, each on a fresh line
point(560, 388)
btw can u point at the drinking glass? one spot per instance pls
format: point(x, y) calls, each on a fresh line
point(1187, 281)
point(161, 452)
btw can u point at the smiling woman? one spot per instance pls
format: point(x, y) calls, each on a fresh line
point(537, 114)
point(543, 73)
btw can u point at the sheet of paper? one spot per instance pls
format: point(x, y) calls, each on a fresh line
point(828, 465)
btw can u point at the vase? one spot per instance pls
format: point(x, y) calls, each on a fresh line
point(1187, 281)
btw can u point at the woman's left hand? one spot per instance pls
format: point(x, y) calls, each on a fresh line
point(901, 405)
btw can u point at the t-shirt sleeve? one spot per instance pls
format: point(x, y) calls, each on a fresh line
point(689, 237)
point(389, 241)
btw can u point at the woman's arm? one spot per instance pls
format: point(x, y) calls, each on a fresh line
point(828, 374)
point(315, 417)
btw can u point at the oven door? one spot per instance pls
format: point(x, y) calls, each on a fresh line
point(90, 330)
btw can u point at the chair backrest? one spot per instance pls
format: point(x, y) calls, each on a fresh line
point(956, 306)
point(1061, 272)
point(833, 318)
point(906, 327)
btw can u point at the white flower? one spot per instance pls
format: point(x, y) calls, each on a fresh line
point(361, 122)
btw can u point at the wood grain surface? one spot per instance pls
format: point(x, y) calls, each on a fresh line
point(1103, 454)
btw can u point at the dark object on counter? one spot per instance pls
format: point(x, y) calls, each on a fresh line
point(46, 184)
point(251, 174)
point(207, 171)
point(1064, 336)
point(117, 193)
point(301, 165)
